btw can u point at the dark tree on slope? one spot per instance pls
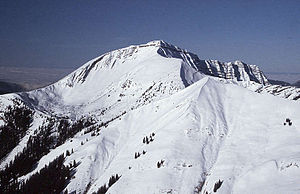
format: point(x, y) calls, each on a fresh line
point(102, 190)
point(18, 119)
point(25, 161)
point(38, 146)
point(112, 180)
point(217, 185)
point(63, 131)
point(53, 178)
point(66, 130)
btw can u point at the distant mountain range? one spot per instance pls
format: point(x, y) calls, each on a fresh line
point(297, 84)
point(289, 77)
point(6, 87)
point(29, 78)
point(283, 83)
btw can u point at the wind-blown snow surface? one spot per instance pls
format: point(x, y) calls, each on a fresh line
point(206, 129)
point(127, 77)
point(207, 132)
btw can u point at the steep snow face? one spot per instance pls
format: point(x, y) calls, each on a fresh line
point(5, 100)
point(133, 75)
point(127, 77)
point(207, 132)
point(236, 70)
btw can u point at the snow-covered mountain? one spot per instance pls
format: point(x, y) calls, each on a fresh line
point(289, 92)
point(161, 119)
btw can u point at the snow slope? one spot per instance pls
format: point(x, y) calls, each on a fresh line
point(207, 132)
point(131, 76)
point(289, 92)
point(208, 125)
point(125, 74)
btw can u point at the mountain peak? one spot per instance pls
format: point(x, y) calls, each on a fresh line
point(157, 42)
point(135, 54)
point(145, 117)
point(164, 44)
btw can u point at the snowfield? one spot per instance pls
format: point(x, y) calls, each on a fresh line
point(208, 130)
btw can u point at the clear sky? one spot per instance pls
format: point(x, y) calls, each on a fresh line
point(66, 34)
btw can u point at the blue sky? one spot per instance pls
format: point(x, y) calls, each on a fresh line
point(66, 34)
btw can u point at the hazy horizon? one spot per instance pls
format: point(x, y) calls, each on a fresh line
point(66, 34)
point(36, 77)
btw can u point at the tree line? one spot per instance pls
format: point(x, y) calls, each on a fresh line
point(17, 120)
point(53, 178)
point(37, 146)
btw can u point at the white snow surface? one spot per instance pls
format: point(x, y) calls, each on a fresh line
point(117, 79)
point(207, 132)
point(206, 128)
point(288, 92)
